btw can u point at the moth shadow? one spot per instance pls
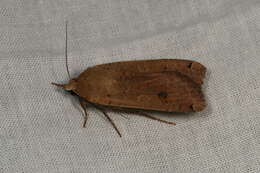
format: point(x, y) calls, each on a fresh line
point(171, 115)
point(72, 97)
point(62, 92)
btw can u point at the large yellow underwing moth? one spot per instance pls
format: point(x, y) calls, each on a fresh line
point(167, 85)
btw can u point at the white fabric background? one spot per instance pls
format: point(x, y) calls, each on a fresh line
point(40, 126)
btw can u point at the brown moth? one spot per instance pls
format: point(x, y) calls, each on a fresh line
point(167, 85)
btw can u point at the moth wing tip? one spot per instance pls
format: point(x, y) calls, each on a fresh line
point(198, 107)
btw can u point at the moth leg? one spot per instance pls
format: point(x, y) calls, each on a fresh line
point(123, 116)
point(83, 104)
point(154, 118)
point(111, 121)
point(120, 113)
point(106, 115)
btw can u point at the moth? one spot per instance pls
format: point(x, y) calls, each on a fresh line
point(165, 85)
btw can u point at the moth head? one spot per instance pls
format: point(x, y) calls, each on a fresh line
point(72, 85)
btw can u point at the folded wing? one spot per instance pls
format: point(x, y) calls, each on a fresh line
point(163, 85)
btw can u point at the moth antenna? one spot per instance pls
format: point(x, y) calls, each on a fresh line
point(66, 48)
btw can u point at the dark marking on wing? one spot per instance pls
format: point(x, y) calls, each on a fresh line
point(163, 94)
point(190, 65)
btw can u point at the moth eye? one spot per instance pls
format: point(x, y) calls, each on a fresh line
point(108, 95)
point(190, 65)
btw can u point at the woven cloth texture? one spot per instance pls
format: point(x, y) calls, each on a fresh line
point(41, 126)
